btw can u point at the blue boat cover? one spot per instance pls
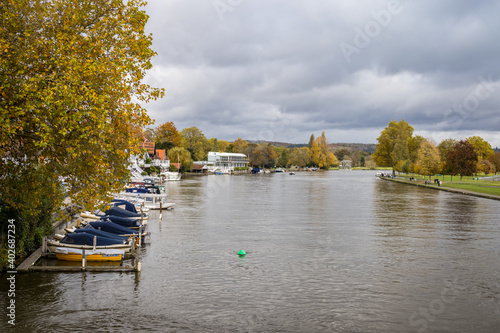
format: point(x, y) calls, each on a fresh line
point(128, 205)
point(83, 238)
point(111, 227)
point(117, 211)
point(101, 233)
point(123, 221)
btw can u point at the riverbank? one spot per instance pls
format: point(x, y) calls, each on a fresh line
point(443, 187)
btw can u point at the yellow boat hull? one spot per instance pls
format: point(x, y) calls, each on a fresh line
point(92, 257)
point(76, 255)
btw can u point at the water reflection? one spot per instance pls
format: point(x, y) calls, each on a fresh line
point(326, 251)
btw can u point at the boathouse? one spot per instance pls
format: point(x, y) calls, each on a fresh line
point(345, 165)
point(226, 161)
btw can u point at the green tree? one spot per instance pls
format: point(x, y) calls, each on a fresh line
point(299, 157)
point(311, 141)
point(71, 96)
point(394, 144)
point(195, 142)
point(282, 157)
point(462, 160)
point(341, 154)
point(183, 156)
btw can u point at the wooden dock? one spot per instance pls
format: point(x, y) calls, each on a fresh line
point(30, 264)
point(82, 269)
point(26, 265)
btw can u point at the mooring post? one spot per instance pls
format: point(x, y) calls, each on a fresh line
point(44, 245)
point(137, 264)
point(84, 260)
point(140, 236)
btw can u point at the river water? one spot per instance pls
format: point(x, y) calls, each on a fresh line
point(329, 251)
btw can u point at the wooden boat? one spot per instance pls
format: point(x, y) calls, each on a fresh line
point(68, 254)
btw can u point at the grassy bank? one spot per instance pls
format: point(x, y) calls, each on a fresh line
point(472, 184)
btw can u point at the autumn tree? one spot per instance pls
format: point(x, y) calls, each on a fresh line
point(428, 161)
point(486, 166)
point(482, 147)
point(195, 142)
point(394, 144)
point(495, 160)
point(263, 155)
point(70, 95)
point(239, 146)
point(462, 159)
point(166, 136)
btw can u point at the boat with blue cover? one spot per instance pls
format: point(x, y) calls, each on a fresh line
point(123, 221)
point(112, 227)
point(83, 240)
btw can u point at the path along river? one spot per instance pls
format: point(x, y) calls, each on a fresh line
point(326, 252)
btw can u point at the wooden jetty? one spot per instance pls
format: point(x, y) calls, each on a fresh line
point(30, 264)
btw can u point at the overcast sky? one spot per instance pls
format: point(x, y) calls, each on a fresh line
point(281, 70)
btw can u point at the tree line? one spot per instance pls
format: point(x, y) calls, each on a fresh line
point(191, 145)
point(398, 148)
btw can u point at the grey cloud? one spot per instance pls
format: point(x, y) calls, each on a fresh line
point(267, 62)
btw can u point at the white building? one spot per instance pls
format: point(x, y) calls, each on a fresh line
point(226, 162)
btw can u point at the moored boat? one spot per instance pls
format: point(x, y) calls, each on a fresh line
point(69, 254)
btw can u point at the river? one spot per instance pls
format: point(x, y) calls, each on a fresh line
point(332, 251)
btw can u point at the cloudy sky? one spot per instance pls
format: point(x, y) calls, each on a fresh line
point(281, 70)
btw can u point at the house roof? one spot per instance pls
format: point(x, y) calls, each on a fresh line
point(161, 154)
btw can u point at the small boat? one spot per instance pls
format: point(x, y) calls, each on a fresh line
point(292, 173)
point(279, 170)
point(86, 241)
point(171, 176)
point(127, 214)
point(68, 254)
point(100, 233)
point(112, 227)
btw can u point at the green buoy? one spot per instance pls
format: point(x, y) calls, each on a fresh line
point(242, 253)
